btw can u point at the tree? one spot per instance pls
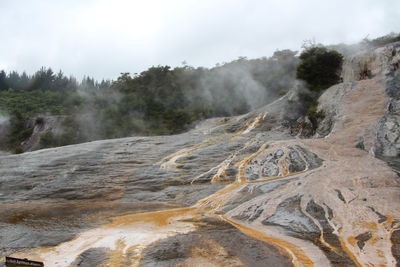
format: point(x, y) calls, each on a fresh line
point(319, 67)
point(3, 81)
point(43, 79)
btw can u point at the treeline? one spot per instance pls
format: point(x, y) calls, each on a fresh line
point(24, 98)
point(160, 100)
point(45, 79)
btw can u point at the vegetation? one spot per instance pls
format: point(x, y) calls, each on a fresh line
point(319, 67)
point(160, 100)
point(39, 101)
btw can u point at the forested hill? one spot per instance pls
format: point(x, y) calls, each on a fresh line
point(160, 100)
point(54, 110)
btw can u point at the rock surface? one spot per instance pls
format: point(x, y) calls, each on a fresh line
point(239, 191)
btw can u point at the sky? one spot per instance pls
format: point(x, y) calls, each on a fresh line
point(103, 38)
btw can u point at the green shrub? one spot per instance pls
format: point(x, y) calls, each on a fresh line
point(319, 67)
point(18, 150)
point(310, 103)
point(315, 116)
point(47, 139)
point(25, 134)
point(19, 131)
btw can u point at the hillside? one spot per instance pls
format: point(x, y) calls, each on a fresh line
point(49, 109)
point(246, 190)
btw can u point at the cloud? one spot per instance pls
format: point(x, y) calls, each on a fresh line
point(102, 38)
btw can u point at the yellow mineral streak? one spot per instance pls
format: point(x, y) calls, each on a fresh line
point(169, 161)
point(299, 258)
point(283, 169)
point(254, 123)
point(116, 257)
point(272, 178)
point(369, 225)
point(129, 233)
point(389, 221)
point(352, 241)
point(326, 244)
point(349, 252)
point(159, 218)
point(210, 253)
point(241, 177)
point(380, 253)
point(216, 200)
point(221, 172)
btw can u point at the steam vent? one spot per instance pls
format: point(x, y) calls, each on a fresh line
point(249, 190)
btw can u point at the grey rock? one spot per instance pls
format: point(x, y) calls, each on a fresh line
point(289, 216)
point(393, 87)
point(296, 163)
point(388, 131)
point(235, 245)
point(91, 258)
point(270, 169)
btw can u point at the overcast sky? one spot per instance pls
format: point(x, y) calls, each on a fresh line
point(103, 38)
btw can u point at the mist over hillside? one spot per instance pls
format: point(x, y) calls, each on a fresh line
point(49, 109)
point(160, 100)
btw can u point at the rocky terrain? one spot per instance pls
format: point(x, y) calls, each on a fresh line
point(239, 191)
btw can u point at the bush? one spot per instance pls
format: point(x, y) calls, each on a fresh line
point(18, 150)
point(319, 67)
point(47, 139)
point(19, 131)
point(314, 115)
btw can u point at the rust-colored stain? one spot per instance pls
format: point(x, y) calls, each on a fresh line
point(159, 218)
point(370, 225)
point(388, 223)
point(116, 257)
point(373, 240)
point(352, 241)
point(283, 168)
point(380, 253)
point(209, 253)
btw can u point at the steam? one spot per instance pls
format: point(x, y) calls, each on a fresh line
point(90, 121)
point(243, 85)
point(229, 89)
point(4, 120)
point(235, 81)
